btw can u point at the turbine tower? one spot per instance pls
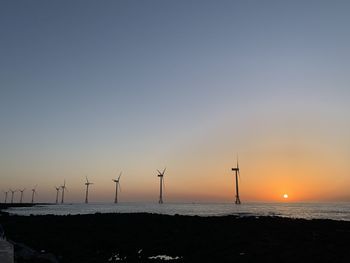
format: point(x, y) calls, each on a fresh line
point(117, 185)
point(63, 189)
point(6, 193)
point(87, 190)
point(33, 193)
point(236, 170)
point(12, 194)
point(57, 193)
point(22, 191)
point(161, 177)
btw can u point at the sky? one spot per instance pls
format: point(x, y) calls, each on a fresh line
point(92, 88)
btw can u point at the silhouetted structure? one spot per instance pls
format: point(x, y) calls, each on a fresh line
point(6, 193)
point(33, 193)
point(87, 190)
point(236, 169)
point(161, 177)
point(12, 194)
point(63, 187)
point(117, 185)
point(21, 199)
point(57, 193)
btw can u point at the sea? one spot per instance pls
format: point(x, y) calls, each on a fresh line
point(334, 211)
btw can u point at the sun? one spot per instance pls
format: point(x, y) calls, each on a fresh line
point(285, 196)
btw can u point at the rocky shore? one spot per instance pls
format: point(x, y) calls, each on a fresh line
point(159, 238)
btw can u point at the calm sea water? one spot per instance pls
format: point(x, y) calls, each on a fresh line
point(336, 211)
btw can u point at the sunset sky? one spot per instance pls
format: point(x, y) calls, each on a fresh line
point(92, 88)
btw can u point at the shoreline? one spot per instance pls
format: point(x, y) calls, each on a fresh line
point(295, 211)
point(120, 237)
point(4, 206)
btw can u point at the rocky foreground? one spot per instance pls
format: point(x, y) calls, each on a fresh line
point(160, 238)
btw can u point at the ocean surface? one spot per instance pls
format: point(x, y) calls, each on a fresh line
point(335, 211)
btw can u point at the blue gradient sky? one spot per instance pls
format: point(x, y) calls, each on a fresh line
point(91, 88)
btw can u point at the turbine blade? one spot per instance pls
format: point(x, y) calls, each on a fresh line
point(164, 170)
point(120, 189)
point(120, 175)
point(159, 172)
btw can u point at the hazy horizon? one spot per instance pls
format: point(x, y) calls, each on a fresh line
point(92, 88)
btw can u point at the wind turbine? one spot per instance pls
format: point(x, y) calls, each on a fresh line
point(12, 194)
point(236, 170)
point(117, 185)
point(6, 193)
point(34, 193)
point(63, 189)
point(87, 190)
point(21, 195)
point(57, 193)
point(161, 177)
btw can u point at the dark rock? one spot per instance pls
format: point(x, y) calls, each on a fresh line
point(25, 254)
point(47, 258)
point(96, 238)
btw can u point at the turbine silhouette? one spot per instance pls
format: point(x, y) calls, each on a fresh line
point(34, 193)
point(57, 193)
point(117, 185)
point(12, 194)
point(161, 185)
point(21, 199)
point(87, 190)
point(6, 193)
point(236, 170)
point(63, 187)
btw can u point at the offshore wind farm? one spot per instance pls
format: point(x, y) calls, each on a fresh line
point(121, 123)
point(87, 184)
point(335, 211)
point(215, 84)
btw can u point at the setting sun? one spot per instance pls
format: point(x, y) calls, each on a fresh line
point(285, 196)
